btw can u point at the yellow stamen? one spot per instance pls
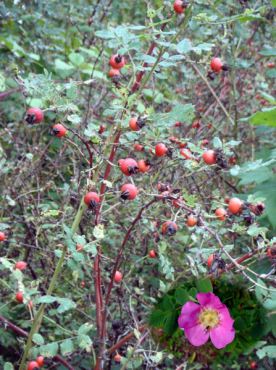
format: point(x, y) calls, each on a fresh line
point(209, 318)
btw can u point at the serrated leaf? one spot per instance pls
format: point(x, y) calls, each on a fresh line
point(217, 143)
point(38, 339)
point(85, 328)
point(49, 350)
point(76, 59)
point(84, 342)
point(181, 296)
point(170, 324)
point(91, 248)
point(46, 299)
point(98, 232)
point(204, 285)
point(66, 347)
point(8, 366)
point(184, 46)
point(6, 263)
point(65, 304)
point(105, 34)
point(269, 351)
point(156, 318)
point(63, 69)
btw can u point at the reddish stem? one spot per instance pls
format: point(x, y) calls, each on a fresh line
point(6, 94)
point(242, 259)
point(120, 253)
point(125, 339)
point(140, 74)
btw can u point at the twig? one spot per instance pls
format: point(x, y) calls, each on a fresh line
point(213, 93)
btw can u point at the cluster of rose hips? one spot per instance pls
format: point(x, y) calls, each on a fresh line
point(19, 297)
point(37, 364)
point(116, 63)
point(36, 115)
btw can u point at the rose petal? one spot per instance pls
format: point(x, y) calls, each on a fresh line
point(189, 308)
point(225, 319)
point(209, 299)
point(197, 335)
point(189, 315)
point(221, 336)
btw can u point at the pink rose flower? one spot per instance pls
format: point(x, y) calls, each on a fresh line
point(209, 318)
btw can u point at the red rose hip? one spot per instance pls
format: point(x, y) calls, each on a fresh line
point(169, 228)
point(216, 65)
point(34, 115)
point(2, 236)
point(128, 166)
point(59, 130)
point(118, 277)
point(117, 61)
point(179, 6)
point(209, 157)
point(91, 199)
point(129, 191)
point(19, 297)
point(20, 265)
point(33, 365)
point(235, 205)
point(161, 150)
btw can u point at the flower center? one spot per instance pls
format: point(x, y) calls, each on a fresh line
point(209, 318)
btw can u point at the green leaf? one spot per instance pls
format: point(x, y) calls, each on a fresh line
point(91, 248)
point(66, 347)
point(268, 97)
point(2, 82)
point(46, 299)
point(268, 191)
point(38, 339)
point(193, 292)
point(49, 350)
point(269, 351)
point(8, 366)
point(98, 231)
point(76, 59)
point(181, 296)
point(170, 324)
point(6, 263)
point(63, 69)
point(167, 303)
point(254, 230)
point(65, 304)
point(203, 47)
point(266, 118)
point(271, 73)
point(204, 285)
point(105, 34)
point(269, 52)
point(184, 46)
point(85, 328)
point(84, 342)
point(156, 318)
point(217, 143)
